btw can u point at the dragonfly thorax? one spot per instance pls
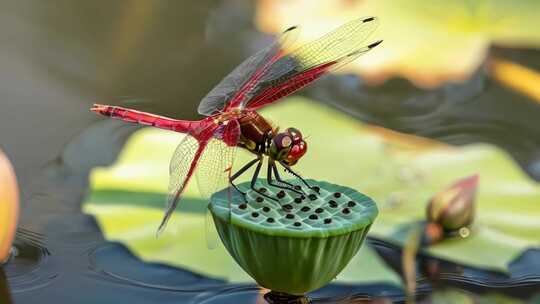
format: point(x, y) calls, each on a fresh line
point(260, 137)
point(256, 132)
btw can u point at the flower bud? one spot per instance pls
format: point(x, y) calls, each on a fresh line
point(9, 207)
point(453, 207)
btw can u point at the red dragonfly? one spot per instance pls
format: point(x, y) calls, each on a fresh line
point(231, 118)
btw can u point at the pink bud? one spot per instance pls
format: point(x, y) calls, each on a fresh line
point(453, 207)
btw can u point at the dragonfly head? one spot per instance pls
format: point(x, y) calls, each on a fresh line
point(288, 146)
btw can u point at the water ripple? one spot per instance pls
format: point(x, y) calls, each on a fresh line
point(30, 267)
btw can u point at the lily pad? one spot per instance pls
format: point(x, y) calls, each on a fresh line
point(399, 172)
point(132, 218)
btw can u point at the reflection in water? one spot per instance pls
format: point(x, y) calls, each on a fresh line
point(435, 273)
point(231, 294)
point(331, 294)
point(5, 293)
point(276, 298)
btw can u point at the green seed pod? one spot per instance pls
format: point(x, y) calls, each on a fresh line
point(295, 249)
point(453, 208)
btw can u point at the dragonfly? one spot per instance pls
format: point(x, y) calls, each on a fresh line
point(231, 119)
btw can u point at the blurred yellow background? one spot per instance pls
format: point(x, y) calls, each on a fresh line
point(428, 42)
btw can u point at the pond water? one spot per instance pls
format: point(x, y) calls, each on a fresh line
point(61, 59)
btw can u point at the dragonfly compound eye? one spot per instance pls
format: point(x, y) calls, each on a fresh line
point(282, 141)
point(297, 151)
point(295, 134)
point(281, 144)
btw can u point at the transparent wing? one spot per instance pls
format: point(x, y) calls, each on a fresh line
point(214, 169)
point(298, 81)
point(183, 164)
point(293, 71)
point(218, 97)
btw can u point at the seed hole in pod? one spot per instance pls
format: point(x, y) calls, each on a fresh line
point(266, 209)
point(297, 187)
point(242, 206)
point(255, 214)
point(298, 200)
point(305, 209)
point(319, 210)
point(351, 204)
point(297, 224)
point(259, 199)
point(287, 207)
point(337, 195)
point(270, 220)
point(333, 204)
point(263, 190)
point(312, 197)
point(281, 194)
point(327, 220)
point(289, 216)
point(346, 210)
point(316, 189)
point(313, 217)
point(303, 197)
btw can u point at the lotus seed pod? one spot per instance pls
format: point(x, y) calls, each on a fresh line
point(9, 207)
point(298, 243)
point(453, 208)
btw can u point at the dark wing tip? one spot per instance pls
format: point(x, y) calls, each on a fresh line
point(374, 44)
point(292, 28)
point(164, 221)
point(369, 19)
point(162, 226)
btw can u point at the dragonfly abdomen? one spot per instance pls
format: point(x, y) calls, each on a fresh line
point(147, 119)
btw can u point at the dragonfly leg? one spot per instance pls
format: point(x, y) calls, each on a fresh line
point(257, 161)
point(289, 186)
point(254, 181)
point(278, 177)
point(288, 169)
point(239, 173)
